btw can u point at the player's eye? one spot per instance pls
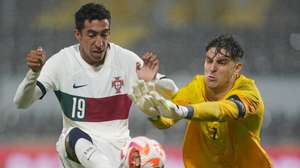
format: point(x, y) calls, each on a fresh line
point(208, 60)
point(222, 62)
point(105, 34)
point(92, 34)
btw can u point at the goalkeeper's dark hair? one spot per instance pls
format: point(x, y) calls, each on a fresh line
point(91, 11)
point(227, 42)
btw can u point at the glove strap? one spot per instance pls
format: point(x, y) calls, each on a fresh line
point(190, 112)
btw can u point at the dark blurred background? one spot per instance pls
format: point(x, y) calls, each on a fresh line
point(177, 31)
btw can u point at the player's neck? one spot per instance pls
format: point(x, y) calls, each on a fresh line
point(89, 61)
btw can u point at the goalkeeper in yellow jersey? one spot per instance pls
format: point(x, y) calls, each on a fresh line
point(224, 111)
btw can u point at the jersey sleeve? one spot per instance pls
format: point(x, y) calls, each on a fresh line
point(27, 91)
point(239, 104)
point(215, 111)
point(48, 78)
point(250, 99)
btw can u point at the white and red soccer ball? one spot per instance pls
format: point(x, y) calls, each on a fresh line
point(142, 152)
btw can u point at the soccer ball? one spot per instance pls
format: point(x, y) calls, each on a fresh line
point(142, 152)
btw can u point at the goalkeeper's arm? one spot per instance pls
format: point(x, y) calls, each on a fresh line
point(205, 111)
point(218, 110)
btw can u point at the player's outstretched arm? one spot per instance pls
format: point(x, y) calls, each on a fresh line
point(27, 92)
point(206, 111)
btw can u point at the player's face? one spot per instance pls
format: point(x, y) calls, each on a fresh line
point(220, 70)
point(93, 40)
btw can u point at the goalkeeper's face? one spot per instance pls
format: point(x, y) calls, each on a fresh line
point(93, 40)
point(220, 70)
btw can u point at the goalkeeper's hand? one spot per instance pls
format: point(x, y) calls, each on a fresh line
point(169, 109)
point(142, 99)
point(166, 88)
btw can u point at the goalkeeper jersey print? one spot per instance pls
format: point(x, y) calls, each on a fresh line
point(93, 99)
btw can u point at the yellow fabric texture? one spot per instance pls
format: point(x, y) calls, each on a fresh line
point(216, 137)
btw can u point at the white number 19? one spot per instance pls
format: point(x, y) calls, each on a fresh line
point(78, 109)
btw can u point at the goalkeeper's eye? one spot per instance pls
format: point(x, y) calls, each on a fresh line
point(223, 61)
point(208, 60)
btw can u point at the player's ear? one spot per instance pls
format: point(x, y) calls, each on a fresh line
point(77, 34)
point(237, 69)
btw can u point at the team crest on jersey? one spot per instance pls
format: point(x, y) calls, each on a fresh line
point(117, 83)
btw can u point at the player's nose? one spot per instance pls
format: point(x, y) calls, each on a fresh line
point(99, 43)
point(213, 67)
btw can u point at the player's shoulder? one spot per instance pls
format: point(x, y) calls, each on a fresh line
point(246, 87)
point(122, 53)
point(244, 83)
point(246, 90)
point(66, 53)
point(57, 62)
point(246, 79)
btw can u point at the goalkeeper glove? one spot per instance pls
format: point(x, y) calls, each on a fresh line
point(168, 109)
point(166, 87)
point(141, 98)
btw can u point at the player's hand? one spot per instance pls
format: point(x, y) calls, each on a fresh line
point(148, 71)
point(141, 98)
point(166, 88)
point(36, 59)
point(167, 108)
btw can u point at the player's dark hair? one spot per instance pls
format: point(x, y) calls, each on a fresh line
point(91, 11)
point(227, 42)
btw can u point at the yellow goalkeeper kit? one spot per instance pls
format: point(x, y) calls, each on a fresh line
point(223, 133)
